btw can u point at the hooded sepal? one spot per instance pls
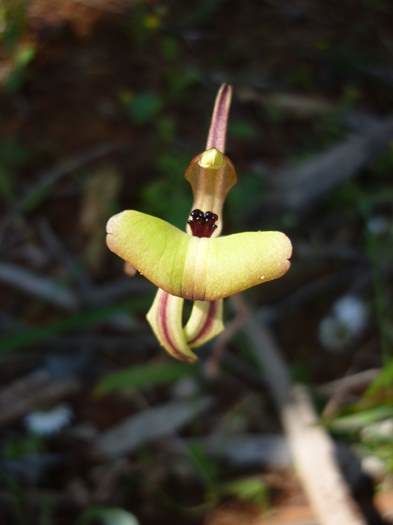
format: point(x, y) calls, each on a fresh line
point(211, 175)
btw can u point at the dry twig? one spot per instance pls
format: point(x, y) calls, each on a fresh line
point(340, 389)
point(32, 391)
point(312, 449)
point(357, 381)
point(67, 166)
point(298, 188)
point(44, 288)
point(148, 425)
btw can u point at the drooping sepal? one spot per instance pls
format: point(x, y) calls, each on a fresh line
point(205, 322)
point(165, 319)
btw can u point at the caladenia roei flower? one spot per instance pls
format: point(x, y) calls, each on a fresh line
point(198, 265)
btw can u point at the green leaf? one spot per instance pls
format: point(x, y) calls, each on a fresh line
point(88, 318)
point(355, 422)
point(169, 48)
point(143, 108)
point(206, 469)
point(108, 516)
point(12, 154)
point(143, 376)
point(13, 22)
point(383, 380)
point(175, 205)
point(242, 129)
point(251, 490)
point(252, 191)
point(19, 447)
point(22, 59)
point(163, 196)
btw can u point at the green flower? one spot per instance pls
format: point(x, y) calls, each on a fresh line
point(198, 265)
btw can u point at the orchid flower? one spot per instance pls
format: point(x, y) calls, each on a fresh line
point(198, 265)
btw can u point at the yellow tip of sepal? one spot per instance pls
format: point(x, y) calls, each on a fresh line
point(212, 159)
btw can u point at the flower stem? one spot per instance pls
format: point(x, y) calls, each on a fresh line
point(219, 122)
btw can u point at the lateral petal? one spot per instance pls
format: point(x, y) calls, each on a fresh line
point(153, 246)
point(197, 268)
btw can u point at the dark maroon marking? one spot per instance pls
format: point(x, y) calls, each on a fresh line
point(202, 224)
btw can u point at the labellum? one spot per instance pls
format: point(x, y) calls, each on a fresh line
point(198, 265)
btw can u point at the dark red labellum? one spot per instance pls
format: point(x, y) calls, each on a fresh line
point(202, 224)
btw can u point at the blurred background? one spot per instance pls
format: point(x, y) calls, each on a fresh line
point(103, 103)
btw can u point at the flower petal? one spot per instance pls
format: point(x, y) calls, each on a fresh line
point(154, 247)
point(165, 318)
point(205, 322)
point(223, 266)
point(197, 268)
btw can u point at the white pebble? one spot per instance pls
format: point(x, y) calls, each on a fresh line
point(344, 324)
point(49, 422)
point(373, 466)
point(381, 430)
point(378, 225)
point(352, 312)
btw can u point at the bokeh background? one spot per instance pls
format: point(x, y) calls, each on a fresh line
point(103, 103)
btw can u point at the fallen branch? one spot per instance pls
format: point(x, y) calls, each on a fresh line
point(52, 292)
point(42, 287)
point(248, 450)
point(311, 448)
point(298, 188)
point(32, 391)
point(147, 426)
point(341, 389)
point(66, 167)
point(357, 381)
